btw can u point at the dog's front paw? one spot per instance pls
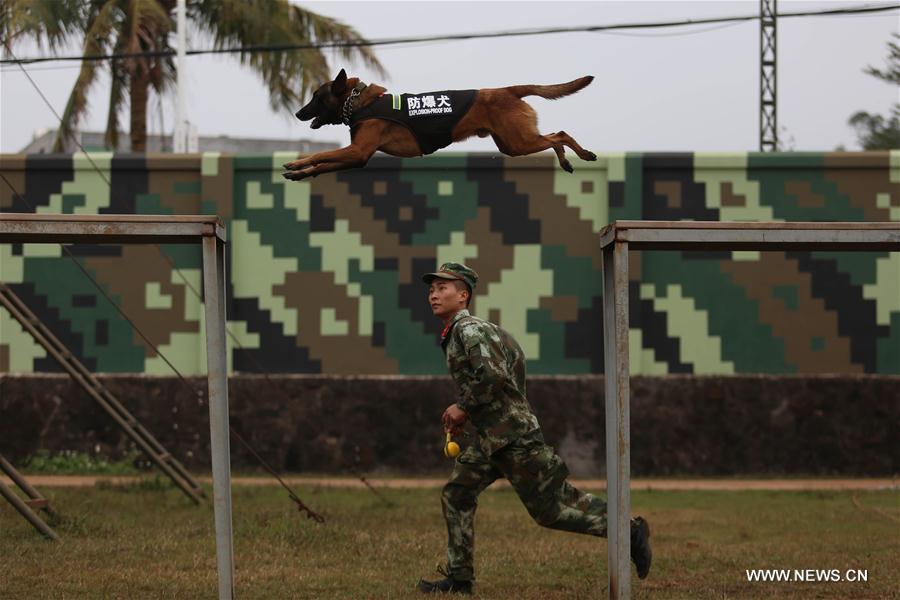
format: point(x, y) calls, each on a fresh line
point(590, 156)
point(567, 166)
point(295, 175)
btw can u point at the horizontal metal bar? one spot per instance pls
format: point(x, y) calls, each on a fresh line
point(108, 229)
point(767, 225)
point(757, 239)
point(694, 235)
point(765, 247)
point(108, 218)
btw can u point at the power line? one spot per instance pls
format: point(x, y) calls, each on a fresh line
point(675, 33)
point(302, 507)
point(300, 504)
point(852, 10)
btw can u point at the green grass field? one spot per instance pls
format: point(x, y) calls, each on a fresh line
point(147, 541)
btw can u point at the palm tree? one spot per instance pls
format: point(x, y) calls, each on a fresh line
point(141, 26)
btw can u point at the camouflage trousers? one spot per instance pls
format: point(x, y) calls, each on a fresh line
point(537, 475)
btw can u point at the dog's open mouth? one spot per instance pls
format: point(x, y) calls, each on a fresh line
point(316, 123)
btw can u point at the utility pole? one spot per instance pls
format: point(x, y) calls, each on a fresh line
point(182, 136)
point(768, 80)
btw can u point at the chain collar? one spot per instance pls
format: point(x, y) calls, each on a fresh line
point(350, 103)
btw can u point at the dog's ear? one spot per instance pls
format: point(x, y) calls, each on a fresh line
point(339, 85)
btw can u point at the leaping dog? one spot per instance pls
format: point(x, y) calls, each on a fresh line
point(408, 125)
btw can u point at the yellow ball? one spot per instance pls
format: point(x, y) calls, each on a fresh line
point(452, 449)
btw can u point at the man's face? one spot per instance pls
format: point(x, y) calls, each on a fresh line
point(445, 298)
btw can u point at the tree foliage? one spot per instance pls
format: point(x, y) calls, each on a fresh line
point(135, 26)
point(874, 131)
point(877, 132)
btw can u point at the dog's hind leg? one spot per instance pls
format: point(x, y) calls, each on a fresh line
point(561, 155)
point(517, 134)
point(531, 145)
point(562, 137)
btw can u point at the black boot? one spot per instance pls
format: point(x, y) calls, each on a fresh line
point(447, 585)
point(641, 554)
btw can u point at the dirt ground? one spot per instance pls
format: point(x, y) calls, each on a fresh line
point(589, 484)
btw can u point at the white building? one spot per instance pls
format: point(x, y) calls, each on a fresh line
point(42, 143)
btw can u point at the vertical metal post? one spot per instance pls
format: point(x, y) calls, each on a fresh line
point(618, 439)
point(217, 373)
point(181, 131)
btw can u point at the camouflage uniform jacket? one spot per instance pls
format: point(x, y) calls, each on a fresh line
point(488, 367)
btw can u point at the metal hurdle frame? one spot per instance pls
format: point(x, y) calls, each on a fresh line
point(209, 232)
point(616, 240)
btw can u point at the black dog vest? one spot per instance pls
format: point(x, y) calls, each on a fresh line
point(430, 117)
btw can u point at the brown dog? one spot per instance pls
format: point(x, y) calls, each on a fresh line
point(416, 124)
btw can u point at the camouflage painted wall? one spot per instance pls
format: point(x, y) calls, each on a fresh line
point(323, 274)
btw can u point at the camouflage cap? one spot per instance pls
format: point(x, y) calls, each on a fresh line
point(453, 270)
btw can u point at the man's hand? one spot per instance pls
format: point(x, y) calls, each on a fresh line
point(454, 418)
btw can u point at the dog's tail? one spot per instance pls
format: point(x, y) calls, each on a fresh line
point(551, 92)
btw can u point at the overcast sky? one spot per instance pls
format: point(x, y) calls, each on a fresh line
point(682, 89)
